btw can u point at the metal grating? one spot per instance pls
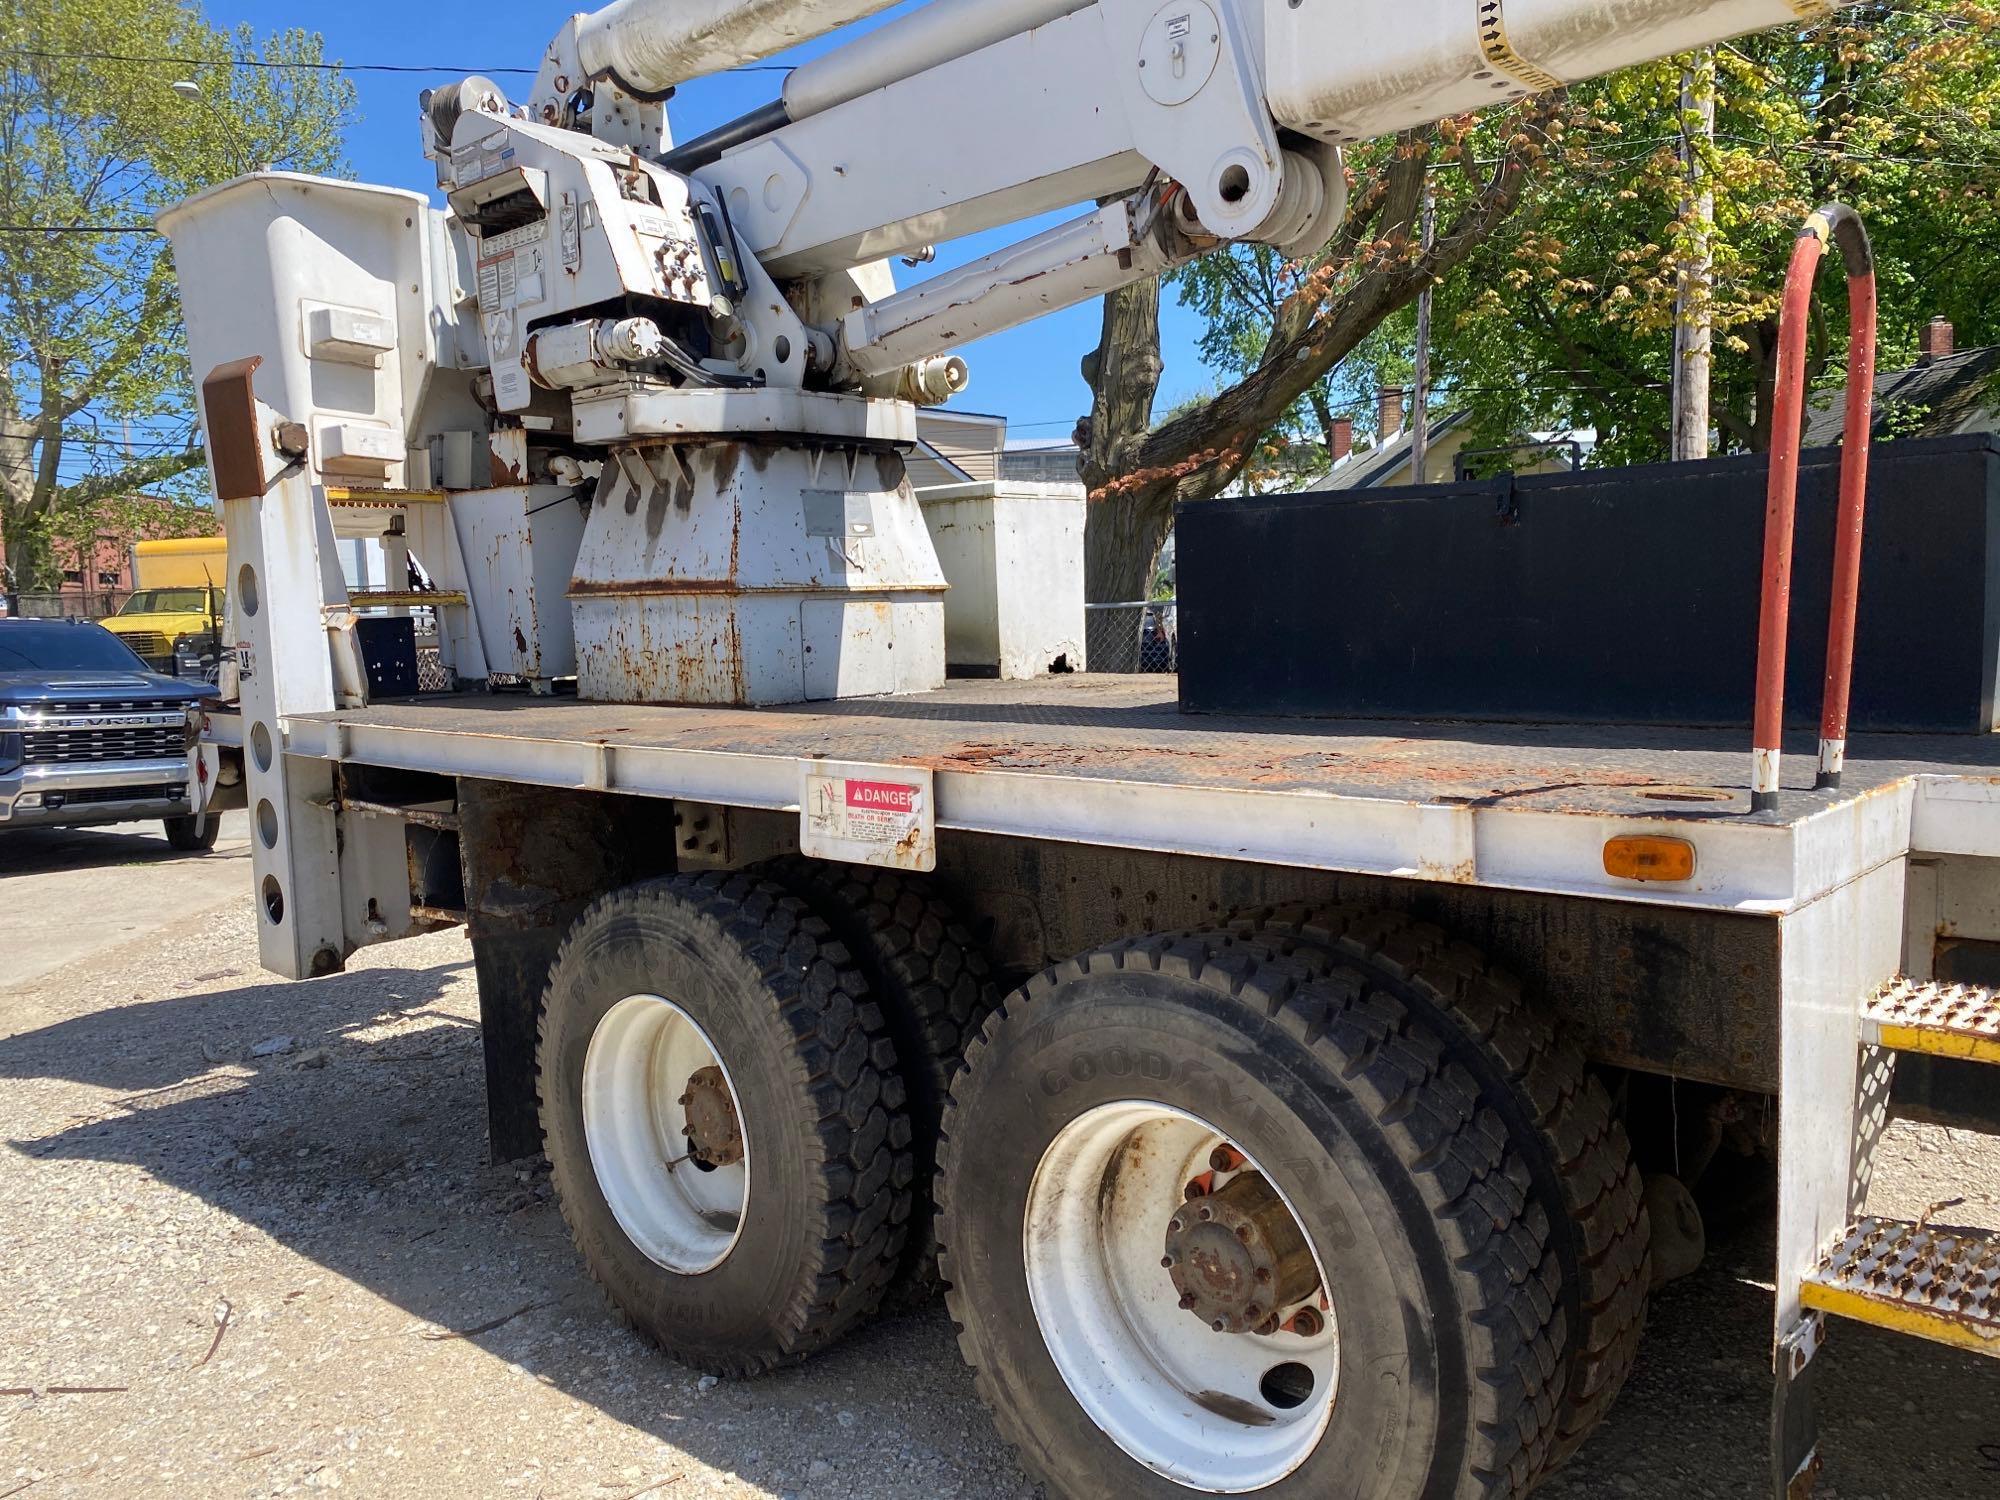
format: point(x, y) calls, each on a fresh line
point(73, 747)
point(167, 792)
point(1946, 1020)
point(70, 706)
point(148, 643)
point(1909, 1278)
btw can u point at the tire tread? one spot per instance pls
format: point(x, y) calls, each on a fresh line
point(1503, 1267)
point(1602, 1229)
point(936, 987)
point(841, 1047)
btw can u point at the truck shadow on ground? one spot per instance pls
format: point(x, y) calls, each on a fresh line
point(41, 851)
point(361, 1147)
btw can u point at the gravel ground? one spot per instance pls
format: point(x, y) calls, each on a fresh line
point(253, 1247)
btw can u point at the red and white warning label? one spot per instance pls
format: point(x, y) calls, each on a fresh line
point(869, 815)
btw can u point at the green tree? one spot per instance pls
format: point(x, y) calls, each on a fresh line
point(1567, 316)
point(93, 142)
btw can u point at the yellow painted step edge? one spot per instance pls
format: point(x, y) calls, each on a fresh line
point(1901, 1317)
point(1937, 1043)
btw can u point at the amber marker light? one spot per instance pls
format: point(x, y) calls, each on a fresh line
point(1646, 857)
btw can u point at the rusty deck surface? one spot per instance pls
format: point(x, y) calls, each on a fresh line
point(1130, 729)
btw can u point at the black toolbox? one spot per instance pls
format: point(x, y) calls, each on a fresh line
point(1606, 595)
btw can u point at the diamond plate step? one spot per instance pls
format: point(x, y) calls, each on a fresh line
point(412, 598)
point(348, 497)
point(1946, 1020)
point(1912, 1279)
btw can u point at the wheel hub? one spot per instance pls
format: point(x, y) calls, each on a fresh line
point(1237, 1257)
point(714, 1134)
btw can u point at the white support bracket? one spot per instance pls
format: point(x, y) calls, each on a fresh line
point(321, 890)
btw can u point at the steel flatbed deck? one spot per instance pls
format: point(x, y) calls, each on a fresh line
point(1113, 761)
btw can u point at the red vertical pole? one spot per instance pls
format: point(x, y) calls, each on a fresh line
point(1853, 503)
point(1780, 504)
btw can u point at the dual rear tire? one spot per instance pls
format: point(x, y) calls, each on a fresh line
point(1433, 1254)
point(1308, 1206)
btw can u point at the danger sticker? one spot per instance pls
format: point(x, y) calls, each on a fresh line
point(881, 796)
point(869, 815)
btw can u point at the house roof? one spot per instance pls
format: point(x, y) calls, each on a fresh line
point(1363, 471)
point(1959, 393)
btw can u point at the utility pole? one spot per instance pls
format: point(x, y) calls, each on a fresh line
point(1420, 415)
point(1694, 317)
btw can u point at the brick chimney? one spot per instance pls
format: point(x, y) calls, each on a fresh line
point(1389, 415)
point(1343, 438)
point(1934, 343)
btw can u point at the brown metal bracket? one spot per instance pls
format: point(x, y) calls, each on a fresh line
point(235, 446)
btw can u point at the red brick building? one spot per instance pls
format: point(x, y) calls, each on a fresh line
point(96, 578)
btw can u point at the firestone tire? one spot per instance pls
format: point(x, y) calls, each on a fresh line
point(936, 990)
point(1559, 1114)
point(194, 834)
point(1446, 1295)
point(826, 1166)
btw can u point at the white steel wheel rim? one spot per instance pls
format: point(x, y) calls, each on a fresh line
point(1176, 1396)
point(641, 1056)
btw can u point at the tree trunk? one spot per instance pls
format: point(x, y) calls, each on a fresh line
point(1694, 314)
point(23, 565)
point(1122, 531)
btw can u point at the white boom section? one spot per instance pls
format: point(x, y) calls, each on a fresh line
point(1362, 68)
point(652, 45)
point(944, 123)
point(912, 44)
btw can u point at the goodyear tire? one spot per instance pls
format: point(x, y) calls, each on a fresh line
point(936, 989)
point(1432, 1367)
point(1557, 1113)
point(724, 1120)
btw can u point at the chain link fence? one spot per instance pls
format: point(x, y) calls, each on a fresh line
point(65, 606)
point(1141, 636)
point(431, 674)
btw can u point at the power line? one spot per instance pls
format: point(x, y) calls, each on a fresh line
point(238, 61)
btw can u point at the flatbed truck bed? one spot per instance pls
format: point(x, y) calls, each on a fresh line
point(1111, 761)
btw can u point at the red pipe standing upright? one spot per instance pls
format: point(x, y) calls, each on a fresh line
point(1844, 227)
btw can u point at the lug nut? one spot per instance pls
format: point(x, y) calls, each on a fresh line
point(1263, 1276)
point(1243, 1233)
point(1188, 1301)
point(1307, 1322)
point(1204, 1213)
point(1177, 1224)
point(1225, 1158)
point(1168, 1262)
point(1269, 1326)
point(1220, 1325)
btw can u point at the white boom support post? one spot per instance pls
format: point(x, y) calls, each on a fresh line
point(282, 589)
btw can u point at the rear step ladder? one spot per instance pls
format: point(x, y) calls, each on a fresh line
point(1933, 1283)
point(1945, 1020)
point(1908, 1278)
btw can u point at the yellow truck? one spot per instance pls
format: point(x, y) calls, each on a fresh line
point(175, 615)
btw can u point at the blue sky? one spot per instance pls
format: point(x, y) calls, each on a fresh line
point(1028, 375)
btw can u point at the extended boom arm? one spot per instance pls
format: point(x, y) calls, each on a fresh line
point(967, 115)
